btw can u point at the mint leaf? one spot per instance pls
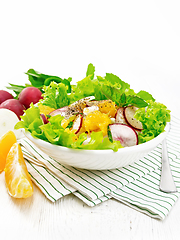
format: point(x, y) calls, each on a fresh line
point(111, 93)
point(135, 101)
point(123, 99)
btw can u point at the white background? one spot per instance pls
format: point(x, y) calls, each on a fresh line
point(137, 40)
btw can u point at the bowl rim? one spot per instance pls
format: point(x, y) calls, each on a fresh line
point(154, 142)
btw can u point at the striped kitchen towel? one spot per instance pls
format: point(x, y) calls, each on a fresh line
point(136, 185)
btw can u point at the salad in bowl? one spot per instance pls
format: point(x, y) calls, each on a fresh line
point(97, 118)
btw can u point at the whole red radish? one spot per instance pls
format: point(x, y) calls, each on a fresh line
point(4, 95)
point(30, 95)
point(14, 105)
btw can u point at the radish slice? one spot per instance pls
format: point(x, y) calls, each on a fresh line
point(66, 111)
point(73, 108)
point(60, 111)
point(124, 133)
point(8, 120)
point(120, 116)
point(45, 120)
point(129, 116)
point(77, 123)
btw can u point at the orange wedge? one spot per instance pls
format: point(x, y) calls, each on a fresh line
point(18, 181)
point(6, 142)
point(45, 109)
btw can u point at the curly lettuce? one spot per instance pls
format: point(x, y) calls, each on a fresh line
point(154, 119)
point(54, 133)
point(55, 95)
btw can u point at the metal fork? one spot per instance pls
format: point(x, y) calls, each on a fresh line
point(166, 182)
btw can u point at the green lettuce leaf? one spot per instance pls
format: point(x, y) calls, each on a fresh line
point(54, 133)
point(31, 116)
point(84, 88)
point(90, 71)
point(55, 95)
point(97, 142)
point(115, 80)
point(31, 122)
point(154, 119)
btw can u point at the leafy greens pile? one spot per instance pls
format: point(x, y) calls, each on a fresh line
point(153, 115)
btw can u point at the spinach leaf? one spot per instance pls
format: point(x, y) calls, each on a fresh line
point(39, 79)
point(17, 88)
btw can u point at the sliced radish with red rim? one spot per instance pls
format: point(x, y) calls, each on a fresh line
point(77, 124)
point(124, 133)
point(45, 120)
point(120, 116)
point(129, 117)
point(60, 111)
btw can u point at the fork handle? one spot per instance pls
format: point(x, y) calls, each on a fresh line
point(166, 182)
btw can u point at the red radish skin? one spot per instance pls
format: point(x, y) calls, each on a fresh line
point(124, 133)
point(45, 120)
point(14, 105)
point(4, 95)
point(129, 117)
point(30, 95)
point(77, 124)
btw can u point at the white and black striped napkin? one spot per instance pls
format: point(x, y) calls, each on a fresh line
point(136, 185)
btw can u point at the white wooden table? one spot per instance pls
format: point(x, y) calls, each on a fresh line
point(140, 42)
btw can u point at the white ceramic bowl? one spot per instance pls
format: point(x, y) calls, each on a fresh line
point(97, 159)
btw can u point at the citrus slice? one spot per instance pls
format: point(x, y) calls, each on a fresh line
point(6, 142)
point(45, 109)
point(18, 181)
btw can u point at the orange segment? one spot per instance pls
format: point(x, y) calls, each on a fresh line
point(18, 181)
point(97, 121)
point(6, 142)
point(108, 107)
point(45, 109)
